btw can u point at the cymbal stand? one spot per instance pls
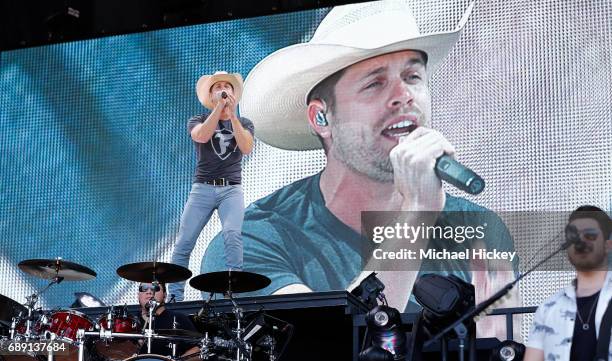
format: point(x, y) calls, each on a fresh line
point(205, 343)
point(81, 342)
point(242, 349)
point(33, 299)
point(110, 318)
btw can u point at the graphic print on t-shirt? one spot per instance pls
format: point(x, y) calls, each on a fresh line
point(223, 143)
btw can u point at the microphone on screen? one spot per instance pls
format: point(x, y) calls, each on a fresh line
point(451, 171)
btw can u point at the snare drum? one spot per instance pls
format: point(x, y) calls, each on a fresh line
point(118, 348)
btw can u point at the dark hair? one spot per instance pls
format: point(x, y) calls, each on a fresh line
point(325, 90)
point(595, 213)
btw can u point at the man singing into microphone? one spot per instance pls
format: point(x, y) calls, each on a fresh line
point(359, 90)
point(568, 325)
point(220, 139)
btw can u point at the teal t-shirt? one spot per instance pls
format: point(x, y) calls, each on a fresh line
point(291, 237)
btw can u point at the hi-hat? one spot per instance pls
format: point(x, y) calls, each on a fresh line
point(50, 268)
point(234, 281)
point(147, 272)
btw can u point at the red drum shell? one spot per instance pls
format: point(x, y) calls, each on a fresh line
point(122, 324)
point(65, 324)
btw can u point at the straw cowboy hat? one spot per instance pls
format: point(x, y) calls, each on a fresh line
point(276, 89)
point(207, 81)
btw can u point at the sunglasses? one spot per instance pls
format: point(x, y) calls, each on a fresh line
point(145, 288)
point(588, 234)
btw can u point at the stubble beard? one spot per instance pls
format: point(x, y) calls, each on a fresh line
point(598, 261)
point(361, 155)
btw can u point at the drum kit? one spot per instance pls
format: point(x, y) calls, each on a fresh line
point(116, 335)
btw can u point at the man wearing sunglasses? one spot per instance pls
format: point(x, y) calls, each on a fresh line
point(164, 319)
point(568, 325)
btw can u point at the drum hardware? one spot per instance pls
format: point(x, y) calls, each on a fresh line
point(151, 306)
point(9, 310)
point(117, 320)
point(104, 334)
point(31, 301)
point(270, 344)
point(173, 344)
point(56, 270)
point(154, 273)
point(221, 340)
point(228, 283)
point(109, 318)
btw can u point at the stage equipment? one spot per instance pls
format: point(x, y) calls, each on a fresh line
point(52, 269)
point(386, 337)
point(445, 299)
point(370, 290)
point(150, 272)
point(228, 283)
point(508, 351)
point(483, 308)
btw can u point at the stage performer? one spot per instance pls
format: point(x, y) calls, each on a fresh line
point(220, 138)
point(568, 325)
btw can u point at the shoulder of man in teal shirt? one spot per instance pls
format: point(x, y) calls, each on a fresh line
point(291, 237)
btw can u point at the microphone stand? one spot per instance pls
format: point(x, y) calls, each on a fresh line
point(152, 307)
point(484, 305)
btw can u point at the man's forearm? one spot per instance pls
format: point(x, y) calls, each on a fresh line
point(244, 138)
point(204, 131)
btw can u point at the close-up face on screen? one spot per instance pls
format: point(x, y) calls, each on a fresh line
point(311, 148)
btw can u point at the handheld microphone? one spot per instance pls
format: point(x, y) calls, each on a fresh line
point(450, 170)
point(223, 95)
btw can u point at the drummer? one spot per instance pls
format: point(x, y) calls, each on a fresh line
point(164, 319)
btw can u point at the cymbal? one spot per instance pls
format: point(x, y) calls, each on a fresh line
point(179, 333)
point(10, 308)
point(224, 281)
point(50, 268)
point(154, 271)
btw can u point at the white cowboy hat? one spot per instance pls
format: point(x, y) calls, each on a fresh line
point(275, 90)
point(207, 81)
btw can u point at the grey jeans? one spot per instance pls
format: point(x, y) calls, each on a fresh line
point(203, 200)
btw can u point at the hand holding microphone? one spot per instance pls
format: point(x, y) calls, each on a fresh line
point(227, 99)
point(413, 161)
point(418, 149)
